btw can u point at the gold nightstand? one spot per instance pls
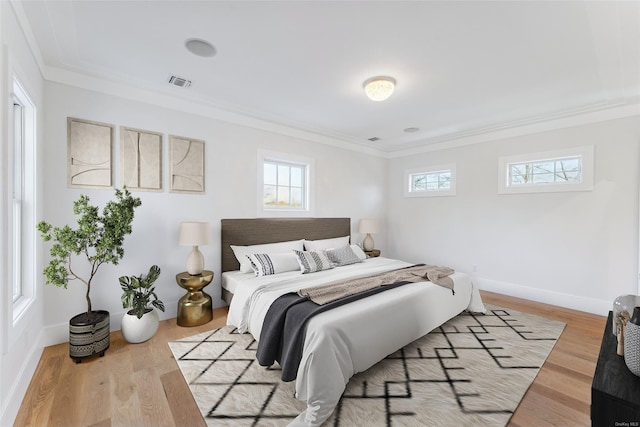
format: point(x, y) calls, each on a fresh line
point(372, 253)
point(194, 308)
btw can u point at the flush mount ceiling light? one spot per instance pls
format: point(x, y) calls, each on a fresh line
point(200, 47)
point(379, 88)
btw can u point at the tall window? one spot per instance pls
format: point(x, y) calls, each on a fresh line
point(551, 171)
point(285, 184)
point(17, 190)
point(430, 181)
point(22, 199)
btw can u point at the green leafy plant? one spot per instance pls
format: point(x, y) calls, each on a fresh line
point(138, 291)
point(99, 237)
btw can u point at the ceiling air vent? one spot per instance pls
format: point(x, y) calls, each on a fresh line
point(179, 81)
point(374, 139)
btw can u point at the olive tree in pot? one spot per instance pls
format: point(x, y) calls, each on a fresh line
point(138, 293)
point(99, 239)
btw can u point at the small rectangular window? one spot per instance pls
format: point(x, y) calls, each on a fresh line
point(285, 184)
point(431, 181)
point(552, 171)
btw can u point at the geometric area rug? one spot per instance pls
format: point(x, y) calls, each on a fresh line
point(471, 371)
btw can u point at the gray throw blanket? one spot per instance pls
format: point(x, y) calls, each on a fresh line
point(324, 294)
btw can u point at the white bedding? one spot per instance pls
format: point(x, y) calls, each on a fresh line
point(232, 279)
point(351, 338)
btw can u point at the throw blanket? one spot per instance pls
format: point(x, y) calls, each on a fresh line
point(282, 335)
point(325, 294)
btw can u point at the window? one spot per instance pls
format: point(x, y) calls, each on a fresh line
point(22, 187)
point(430, 181)
point(552, 171)
point(17, 190)
point(284, 184)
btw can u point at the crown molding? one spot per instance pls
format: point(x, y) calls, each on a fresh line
point(520, 128)
point(199, 108)
point(576, 117)
point(23, 22)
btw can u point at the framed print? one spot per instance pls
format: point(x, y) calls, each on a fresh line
point(140, 159)
point(186, 159)
point(89, 153)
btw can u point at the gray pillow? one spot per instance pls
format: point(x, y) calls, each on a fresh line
point(343, 255)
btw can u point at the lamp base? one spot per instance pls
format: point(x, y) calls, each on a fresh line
point(195, 262)
point(367, 243)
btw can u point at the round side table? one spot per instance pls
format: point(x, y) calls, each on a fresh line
point(194, 308)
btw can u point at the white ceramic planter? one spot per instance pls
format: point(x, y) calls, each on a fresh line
point(136, 330)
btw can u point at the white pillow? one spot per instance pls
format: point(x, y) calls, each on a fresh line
point(359, 252)
point(318, 245)
point(342, 256)
point(268, 264)
point(312, 261)
point(241, 252)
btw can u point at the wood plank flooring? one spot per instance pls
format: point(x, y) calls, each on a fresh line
point(141, 384)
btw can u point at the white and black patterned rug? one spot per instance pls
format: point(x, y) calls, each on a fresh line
point(472, 371)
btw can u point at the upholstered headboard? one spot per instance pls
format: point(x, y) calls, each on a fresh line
point(256, 231)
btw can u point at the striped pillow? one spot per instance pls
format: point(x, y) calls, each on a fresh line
point(268, 264)
point(343, 255)
point(313, 261)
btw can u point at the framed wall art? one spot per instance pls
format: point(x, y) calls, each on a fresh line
point(89, 154)
point(186, 160)
point(141, 159)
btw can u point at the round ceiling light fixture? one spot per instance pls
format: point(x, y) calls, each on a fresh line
point(379, 88)
point(200, 47)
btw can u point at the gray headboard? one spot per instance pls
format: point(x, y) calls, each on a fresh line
point(256, 231)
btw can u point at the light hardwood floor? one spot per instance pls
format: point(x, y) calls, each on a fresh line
point(141, 385)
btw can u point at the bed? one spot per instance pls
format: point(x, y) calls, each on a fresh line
point(345, 340)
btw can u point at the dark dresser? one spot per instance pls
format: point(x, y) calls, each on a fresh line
point(615, 391)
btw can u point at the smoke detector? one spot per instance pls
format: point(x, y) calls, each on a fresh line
point(179, 81)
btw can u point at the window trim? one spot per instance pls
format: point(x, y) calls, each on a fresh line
point(408, 173)
point(308, 210)
point(585, 153)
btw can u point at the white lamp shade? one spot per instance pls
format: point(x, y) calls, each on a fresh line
point(194, 233)
point(368, 226)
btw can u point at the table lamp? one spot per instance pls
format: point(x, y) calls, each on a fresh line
point(193, 233)
point(368, 226)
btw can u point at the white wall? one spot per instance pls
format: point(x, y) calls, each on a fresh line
point(20, 340)
point(347, 184)
point(574, 249)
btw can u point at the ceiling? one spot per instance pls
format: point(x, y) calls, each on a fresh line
point(462, 67)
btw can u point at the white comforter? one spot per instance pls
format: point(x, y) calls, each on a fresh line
point(351, 338)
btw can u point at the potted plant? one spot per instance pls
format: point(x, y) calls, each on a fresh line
point(98, 238)
point(141, 322)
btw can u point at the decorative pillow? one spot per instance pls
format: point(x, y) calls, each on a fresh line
point(312, 261)
point(241, 252)
point(359, 252)
point(268, 264)
point(342, 256)
point(318, 245)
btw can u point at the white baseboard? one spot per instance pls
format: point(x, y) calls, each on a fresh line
point(574, 302)
point(19, 387)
